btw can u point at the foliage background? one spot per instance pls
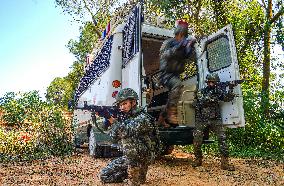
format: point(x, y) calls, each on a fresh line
point(31, 128)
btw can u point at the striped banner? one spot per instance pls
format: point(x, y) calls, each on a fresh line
point(131, 35)
point(95, 69)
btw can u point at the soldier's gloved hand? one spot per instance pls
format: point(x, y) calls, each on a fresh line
point(191, 41)
point(230, 96)
point(213, 98)
point(111, 120)
point(183, 43)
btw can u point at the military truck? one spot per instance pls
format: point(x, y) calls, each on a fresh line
point(129, 57)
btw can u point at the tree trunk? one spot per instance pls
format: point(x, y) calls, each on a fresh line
point(266, 61)
point(198, 30)
point(97, 31)
point(219, 13)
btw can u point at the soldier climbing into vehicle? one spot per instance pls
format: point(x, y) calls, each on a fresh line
point(173, 55)
point(138, 136)
point(208, 115)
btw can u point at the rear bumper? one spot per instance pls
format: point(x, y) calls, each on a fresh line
point(181, 135)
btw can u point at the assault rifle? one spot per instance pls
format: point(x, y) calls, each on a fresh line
point(214, 94)
point(103, 111)
point(230, 84)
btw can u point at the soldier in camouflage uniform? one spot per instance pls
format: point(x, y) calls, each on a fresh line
point(209, 115)
point(135, 134)
point(173, 55)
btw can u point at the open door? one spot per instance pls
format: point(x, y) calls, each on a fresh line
point(217, 54)
point(131, 51)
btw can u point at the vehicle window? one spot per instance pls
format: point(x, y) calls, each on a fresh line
point(218, 53)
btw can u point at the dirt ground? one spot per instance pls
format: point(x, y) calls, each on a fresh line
point(174, 169)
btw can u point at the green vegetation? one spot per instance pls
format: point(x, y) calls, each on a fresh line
point(262, 137)
point(31, 128)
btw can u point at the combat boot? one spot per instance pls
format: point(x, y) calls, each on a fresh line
point(143, 173)
point(162, 121)
point(225, 165)
point(197, 162)
point(198, 154)
point(172, 115)
point(134, 176)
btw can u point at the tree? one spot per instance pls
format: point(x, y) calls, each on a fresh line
point(184, 9)
point(83, 10)
point(75, 75)
point(59, 92)
point(85, 44)
point(269, 24)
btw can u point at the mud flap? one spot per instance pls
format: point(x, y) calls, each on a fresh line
point(181, 135)
point(100, 145)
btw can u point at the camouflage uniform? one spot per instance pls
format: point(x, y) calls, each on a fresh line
point(172, 63)
point(135, 135)
point(208, 115)
point(173, 55)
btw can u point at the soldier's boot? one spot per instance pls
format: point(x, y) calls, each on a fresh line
point(198, 154)
point(162, 120)
point(134, 176)
point(225, 165)
point(172, 116)
point(197, 161)
point(143, 174)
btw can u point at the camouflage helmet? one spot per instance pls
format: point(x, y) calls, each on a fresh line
point(124, 94)
point(212, 77)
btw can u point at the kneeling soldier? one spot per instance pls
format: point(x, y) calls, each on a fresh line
point(136, 136)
